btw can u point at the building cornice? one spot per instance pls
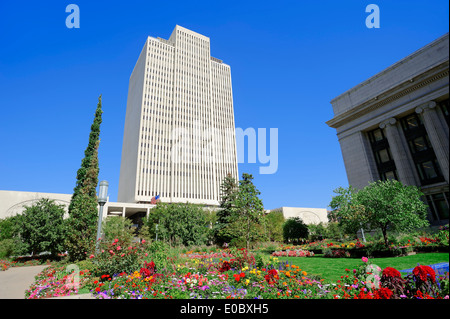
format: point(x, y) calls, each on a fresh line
point(434, 74)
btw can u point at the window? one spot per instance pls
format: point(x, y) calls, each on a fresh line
point(421, 150)
point(444, 109)
point(383, 158)
point(439, 205)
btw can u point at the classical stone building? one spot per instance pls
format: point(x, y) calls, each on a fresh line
point(396, 125)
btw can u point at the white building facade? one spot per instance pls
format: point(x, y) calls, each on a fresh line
point(179, 137)
point(395, 125)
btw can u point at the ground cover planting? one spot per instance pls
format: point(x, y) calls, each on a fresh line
point(240, 274)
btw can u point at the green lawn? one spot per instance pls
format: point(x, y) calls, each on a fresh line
point(331, 269)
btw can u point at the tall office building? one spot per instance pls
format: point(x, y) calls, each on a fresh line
point(179, 137)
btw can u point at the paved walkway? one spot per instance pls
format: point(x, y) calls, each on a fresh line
point(16, 280)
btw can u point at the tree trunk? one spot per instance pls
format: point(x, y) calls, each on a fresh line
point(248, 234)
point(384, 231)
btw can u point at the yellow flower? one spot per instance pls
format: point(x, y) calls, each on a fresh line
point(247, 281)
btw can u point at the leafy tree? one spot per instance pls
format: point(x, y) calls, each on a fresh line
point(317, 231)
point(274, 225)
point(9, 227)
point(179, 223)
point(385, 205)
point(294, 228)
point(221, 230)
point(249, 210)
point(83, 213)
point(42, 227)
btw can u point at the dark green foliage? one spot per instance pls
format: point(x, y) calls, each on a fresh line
point(240, 219)
point(87, 175)
point(221, 229)
point(246, 220)
point(83, 211)
point(42, 227)
point(294, 229)
point(178, 223)
point(81, 227)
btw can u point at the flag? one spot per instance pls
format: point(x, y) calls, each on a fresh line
point(155, 199)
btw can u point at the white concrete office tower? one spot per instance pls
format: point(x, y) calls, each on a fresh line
point(179, 136)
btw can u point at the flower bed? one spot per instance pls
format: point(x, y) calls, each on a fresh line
point(56, 282)
point(140, 271)
point(281, 282)
point(293, 253)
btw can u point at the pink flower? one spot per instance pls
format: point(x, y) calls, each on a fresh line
point(118, 248)
point(146, 254)
point(116, 240)
point(143, 241)
point(365, 259)
point(122, 255)
point(91, 256)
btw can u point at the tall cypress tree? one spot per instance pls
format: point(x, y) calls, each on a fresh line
point(83, 213)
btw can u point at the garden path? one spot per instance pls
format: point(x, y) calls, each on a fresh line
point(16, 280)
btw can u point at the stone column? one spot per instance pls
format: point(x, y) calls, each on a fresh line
point(437, 133)
point(400, 153)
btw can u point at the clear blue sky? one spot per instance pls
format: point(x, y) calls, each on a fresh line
point(288, 60)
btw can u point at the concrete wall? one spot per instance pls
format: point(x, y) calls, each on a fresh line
point(12, 202)
point(308, 215)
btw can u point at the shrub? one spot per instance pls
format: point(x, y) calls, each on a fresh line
point(7, 248)
point(113, 258)
point(294, 228)
point(120, 228)
point(335, 253)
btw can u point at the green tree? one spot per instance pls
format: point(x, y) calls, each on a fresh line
point(83, 213)
point(221, 229)
point(316, 231)
point(384, 205)
point(294, 228)
point(179, 223)
point(274, 225)
point(42, 227)
point(248, 213)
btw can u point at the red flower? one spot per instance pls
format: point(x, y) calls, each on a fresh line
point(383, 293)
point(391, 272)
point(423, 272)
point(271, 277)
point(225, 266)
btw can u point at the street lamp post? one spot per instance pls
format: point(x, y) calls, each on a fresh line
point(102, 199)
